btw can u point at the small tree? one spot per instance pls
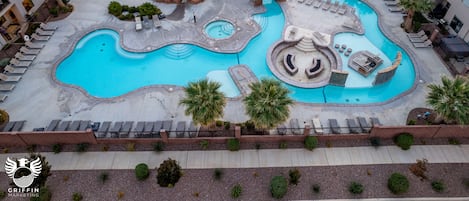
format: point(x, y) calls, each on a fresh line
point(311, 142)
point(141, 171)
point(413, 6)
point(169, 173)
point(278, 187)
point(398, 183)
point(294, 176)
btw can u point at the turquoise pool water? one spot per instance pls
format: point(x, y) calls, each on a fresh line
point(109, 71)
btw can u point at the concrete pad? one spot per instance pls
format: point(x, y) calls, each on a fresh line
point(87, 160)
point(274, 158)
point(121, 160)
point(105, 161)
point(300, 157)
point(231, 159)
point(380, 155)
point(434, 154)
point(179, 156)
point(249, 158)
point(465, 150)
point(338, 156)
point(318, 157)
point(156, 158)
point(454, 154)
point(196, 159)
point(361, 155)
point(401, 156)
point(137, 158)
point(213, 159)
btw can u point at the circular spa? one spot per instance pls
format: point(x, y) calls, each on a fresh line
point(219, 29)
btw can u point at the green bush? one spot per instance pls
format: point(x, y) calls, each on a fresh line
point(283, 145)
point(316, 188)
point(278, 186)
point(77, 197)
point(3, 194)
point(375, 141)
point(465, 181)
point(158, 146)
point(204, 144)
point(227, 125)
point(355, 188)
point(217, 174)
point(4, 116)
point(398, 183)
point(54, 11)
point(438, 186)
point(125, 8)
point(133, 9)
point(141, 171)
point(44, 195)
point(103, 177)
point(82, 147)
point(404, 140)
point(169, 173)
point(233, 144)
point(115, 8)
point(236, 191)
point(411, 122)
point(148, 9)
point(57, 148)
point(218, 123)
point(453, 141)
point(294, 176)
point(311, 142)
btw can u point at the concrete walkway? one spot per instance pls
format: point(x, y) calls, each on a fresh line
point(256, 158)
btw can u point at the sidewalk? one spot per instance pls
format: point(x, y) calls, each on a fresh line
point(256, 158)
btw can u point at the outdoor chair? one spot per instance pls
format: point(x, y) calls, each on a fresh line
point(11, 70)
point(335, 7)
point(427, 43)
point(363, 124)
point(63, 126)
point(180, 129)
point(395, 9)
point(418, 40)
point(335, 129)
point(146, 22)
point(148, 129)
point(157, 126)
point(138, 130)
point(7, 87)
point(342, 9)
point(375, 121)
point(103, 129)
point(282, 129)
point(47, 27)
point(23, 57)
point(156, 21)
point(84, 125)
point(317, 126)
point(17, 63)
point(192, 130)
point(31, 45)
point(26, 50)
point(53, 125)
point(124, 132)
point(3, 97)
point(295, 126)
point(167, 125)
point(353, 127)
point(326, 5)
point(74, 126)
point(9, 126)
point(18, 126)
point(40, 38)
point(41, 32)
point(114, 131)
point(10, 78)
point(416, 35)
point(138, 23)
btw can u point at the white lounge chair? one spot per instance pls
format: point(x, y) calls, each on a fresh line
point(17, 63)
point(326, 5)
point(419, 40)
point(10, 78)
point(138, 23)
point(317, 126)
point(391, 3)
point(7, 87)
point(317, 4)
point(335, 7)
point(395, 9)
point(3, 97)
point(342, 9)
point(427, 43)
point(13, 70)
point(416, 35)
point(25, 50)
point(31, 45)
point(23, 57)
point(48, 27)
point(156, 21)
point(40, 38)
point(41, 32)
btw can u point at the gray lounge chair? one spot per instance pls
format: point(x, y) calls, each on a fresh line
point(18, 126)
point(53, 125)
point(47, 27)
point(40, 38)
point(395, 9)
point(317, 4)
point(10, 78)
point(353, 127)
point(63, 126)
point(391, 3)
point(32, 45)
point(335, 7)
point(335, 128)
point(114, 131)
point(326, 5)
point(138, 23)
point(295, 126)
point(74, 126)
point(419, 40)
point(18, 63)
point(146, 22)
point(180, 129)
point(103, 129)
point(427, 43)
point(282, 129)
point(84, 125)
point(419, 34)
point(363, 124)
point(192, 130)
point(12, 70)
point(124, 132)
point(42, 32)
point(3, 97)
point(156, 21)
point(26, 50)
point(9, 126)
point(148, 129)
point(7, 87)
point(375, 121)
point(167, 125)
point(157, 126)
point(342, 9)
point(138, 130)
point(23, 57)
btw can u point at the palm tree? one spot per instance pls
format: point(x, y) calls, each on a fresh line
point(267, 105)
point(412, 6)
point(451, 100)
point(204, 101)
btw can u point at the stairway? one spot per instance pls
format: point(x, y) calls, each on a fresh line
point(306, 45)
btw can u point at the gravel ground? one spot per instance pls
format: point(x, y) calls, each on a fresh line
point(200, 184)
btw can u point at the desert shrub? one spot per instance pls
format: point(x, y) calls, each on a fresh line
point(82, 147)
point(158, 146)
point(227, 125)
point(120, 195)
point(375, 141)
point(258, 146)
point(4, 117)
point(148, 9)
point(233, 144)
point(278, 186)
point(218, 123)
point(77, 197)
point(283, 145)
point(419, 169)
point(294, 176)
point(141, 171)
point(398, 183)
point(169, 173)
point(133, 9)
point(453, 141)
point(57, 148)
point(404, 140)
point(125, 8)
point(411, 122)
point(217, 173)
point(31, 148)
point(315, 188)
point(114, 8)
point(236, 191)
point(3, 194)
point(438, 186)
point(103, 177)
point(355, 188)
point(54, 11)
point(311, 142)
point(204, 144)
point(44, 195)
point(465, 181)
point(130, 147)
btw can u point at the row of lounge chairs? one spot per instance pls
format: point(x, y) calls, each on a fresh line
point(393, 6)
point(139, 25)
point(144, 129)
point(326, 5)
point(77, 125)
point(14, 126)
point(359, 126)
point(419, 39)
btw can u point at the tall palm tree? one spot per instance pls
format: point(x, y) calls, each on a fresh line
point(412, 6)
point(204, 101)
point(267, 105)
point(451, 100)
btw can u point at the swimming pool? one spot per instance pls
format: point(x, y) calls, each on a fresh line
point(179, 64)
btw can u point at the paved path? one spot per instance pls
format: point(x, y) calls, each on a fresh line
point(257, 158)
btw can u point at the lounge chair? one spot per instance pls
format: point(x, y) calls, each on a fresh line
point(317, 4)
point(12, 70)
point(114, 131)
point(309, 2)
point(419, 40)
point(342, 9)
point(48, 27)
point(146, 22)
point(103, 129)
point(180, 129)
point(124, 132)
point(427, 43)
point(192, 130)
point(18, 126)
point(148, 129)
point(53, 125)
point(335, 7)
point(288, 61)
point(23, 57)
point(391, 3)
point(363, 124)
point(301, 1)
point(3, 97)
point(335, 129)
point(375, 121)
point(295, 126)
point(157, 126)
point(63, 126)
point(326, 5)
point(353, 127)
point(9, 126)
point(25, 50)
point(395, 9)
point(40, 38)
point(31, 45)
point(18, 63)
point(41, 32)
point(7, 87)
point(74, 126)
point(317, 126)
point(416, 35)
point(138, 23)
point(10, 78)
point(95, 126)
point(156, 21)
point(282, 129)
point(138, 130)
point(84, 125)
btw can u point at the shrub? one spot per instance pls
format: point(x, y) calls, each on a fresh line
point(250, 125)
point(311, 142)
point(278, 186)
point(204, 144)
point(125, 8)
point(158, 146)
point(283, 145)
point(258, 146)
point(465, 181)
point(120, 194)
point(41, 179)
point(54, 11)
point(236, 191)
point(4, 117)
point(217, 174)
point(375, 141)
point(133, 9)
point(82, 147)
point(218, 123)
point(141, 171)
point(355, 188)
point(411, 122)
point(294, 176)
point(31, 148)
point(315, 188)
point(398, 183)
point(438, 186)
point(148, 9)
point(453, 141)
point(131, 147)
point(103, 177)
point(57, 148)
point(419, 169)
point(44, 195)
point(115, 8)
point(169, 173)
point(3, 194)
point(404, 140)
point(233, 144)
point(227, 125)
point(77, 197)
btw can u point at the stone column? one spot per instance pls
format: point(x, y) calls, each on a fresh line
point(237, 132)
point(164, 135)
point(307, 130)
point(434, 35)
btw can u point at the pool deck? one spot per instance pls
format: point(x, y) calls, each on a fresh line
point(38, 98)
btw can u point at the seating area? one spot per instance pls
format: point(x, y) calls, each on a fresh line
point(315, 69)
point(358, 125)
point(288, 62)
point(14, 126)
point(419, 39)
point(326, 5)
point(364, 62)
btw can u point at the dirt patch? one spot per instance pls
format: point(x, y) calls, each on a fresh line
point(421, 116)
